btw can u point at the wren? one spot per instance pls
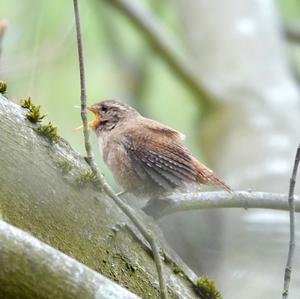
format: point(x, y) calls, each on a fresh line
point(146, 157)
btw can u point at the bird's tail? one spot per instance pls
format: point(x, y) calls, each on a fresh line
point(208, 177)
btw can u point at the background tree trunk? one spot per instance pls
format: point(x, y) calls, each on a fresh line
point(44, 190)
point(239, 51)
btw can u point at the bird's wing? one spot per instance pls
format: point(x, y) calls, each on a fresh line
point(207, 176)
point(157, 128)
point(166, 163)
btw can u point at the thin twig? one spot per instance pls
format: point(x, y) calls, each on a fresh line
point(289, 263)
point(165, 46)
point(180, 202)
point(147, 234)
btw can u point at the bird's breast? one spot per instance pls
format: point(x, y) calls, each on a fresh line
point(117, 159)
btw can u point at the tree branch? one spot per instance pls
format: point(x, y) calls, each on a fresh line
point(164, 45)
point(32, 269)
point(288, 268)
point(147, 234)
point(179, 202)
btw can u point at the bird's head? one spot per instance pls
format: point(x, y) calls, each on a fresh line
point(109, 113)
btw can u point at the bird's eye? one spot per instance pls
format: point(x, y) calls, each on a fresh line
point(104, 108)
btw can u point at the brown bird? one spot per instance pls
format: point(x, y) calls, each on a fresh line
point(146, 157)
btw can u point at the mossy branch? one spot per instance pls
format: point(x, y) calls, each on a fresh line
point(46, 272)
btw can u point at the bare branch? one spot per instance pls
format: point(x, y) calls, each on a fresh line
point(288, 268)
point(147, 234)
point(180, 202)
point(164, 45)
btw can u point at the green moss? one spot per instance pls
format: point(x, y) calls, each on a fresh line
point(130, 267)
point(3, 87)
point(86, 177)
point(177, 270)
point(26, 103)
point(167, 260)
point(34, 115)
point(48, 131)
point(207, 288)
point(65, 165)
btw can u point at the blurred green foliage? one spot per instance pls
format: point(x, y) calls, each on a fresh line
point(290, 9)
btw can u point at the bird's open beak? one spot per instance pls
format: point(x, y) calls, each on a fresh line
point(94, 122)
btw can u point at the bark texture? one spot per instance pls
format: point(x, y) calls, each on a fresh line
point(32, 269)
point(45, 190)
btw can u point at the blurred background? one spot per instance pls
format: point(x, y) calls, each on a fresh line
point(225, 73)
